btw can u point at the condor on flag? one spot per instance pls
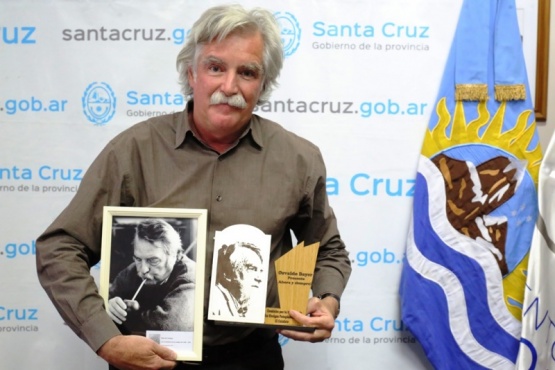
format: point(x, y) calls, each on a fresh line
point(475, 203)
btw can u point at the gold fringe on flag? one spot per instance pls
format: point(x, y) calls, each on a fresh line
point(471, 92)
point(510, 92)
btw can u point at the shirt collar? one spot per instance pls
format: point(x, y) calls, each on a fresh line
point(183, 126)
point(254, 129)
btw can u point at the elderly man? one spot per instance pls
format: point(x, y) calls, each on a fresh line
point(156, 291)
point(215, 155)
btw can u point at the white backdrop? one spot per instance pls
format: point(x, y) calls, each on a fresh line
point(359, 81)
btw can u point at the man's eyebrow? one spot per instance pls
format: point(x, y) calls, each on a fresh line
point(212, 59)
point(252, 66)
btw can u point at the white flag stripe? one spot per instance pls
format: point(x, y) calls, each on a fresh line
point(458, 316)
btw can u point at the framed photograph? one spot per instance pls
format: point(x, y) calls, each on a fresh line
point(152, 274)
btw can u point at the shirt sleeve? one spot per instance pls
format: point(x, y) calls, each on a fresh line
point(316, 222)
point(71, 245)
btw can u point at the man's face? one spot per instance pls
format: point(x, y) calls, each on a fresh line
point(232, 66)
point(248, 269)
point(152, 263)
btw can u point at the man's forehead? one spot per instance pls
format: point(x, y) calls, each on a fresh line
point(220, 45)
point(151, 253)
point(144, 247)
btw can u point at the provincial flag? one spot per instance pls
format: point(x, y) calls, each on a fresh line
point(537, 348)
point(475, 203)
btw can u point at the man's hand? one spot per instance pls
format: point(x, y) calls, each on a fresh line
point(118, 308)
point(134, 352)
point(131, 305)
point(321, 315)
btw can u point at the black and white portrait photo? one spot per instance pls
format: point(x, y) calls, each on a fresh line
point(155, 290)
point(150, 282)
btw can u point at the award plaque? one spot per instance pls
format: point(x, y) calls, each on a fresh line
point(294, 273)
point(240, 274)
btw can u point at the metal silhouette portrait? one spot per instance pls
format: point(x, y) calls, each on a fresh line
point(239, 275)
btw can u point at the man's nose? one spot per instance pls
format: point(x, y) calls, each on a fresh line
point(143, 267)
point(229, 84)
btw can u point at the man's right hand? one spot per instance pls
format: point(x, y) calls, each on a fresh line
point(134, 352)
point(117, 309)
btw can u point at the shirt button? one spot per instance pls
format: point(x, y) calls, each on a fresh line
point(219, 198)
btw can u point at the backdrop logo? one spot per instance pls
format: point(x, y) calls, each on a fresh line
point(99, 103)
point(290, 32)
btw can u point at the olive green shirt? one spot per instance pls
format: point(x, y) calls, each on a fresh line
point(271, 179)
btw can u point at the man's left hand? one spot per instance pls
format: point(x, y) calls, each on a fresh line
point(320, 314)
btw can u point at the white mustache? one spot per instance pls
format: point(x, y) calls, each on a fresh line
point(237, 100)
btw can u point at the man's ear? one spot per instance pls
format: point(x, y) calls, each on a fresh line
point(191, 76)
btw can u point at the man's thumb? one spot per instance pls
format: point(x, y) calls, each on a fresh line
point(165, 353)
